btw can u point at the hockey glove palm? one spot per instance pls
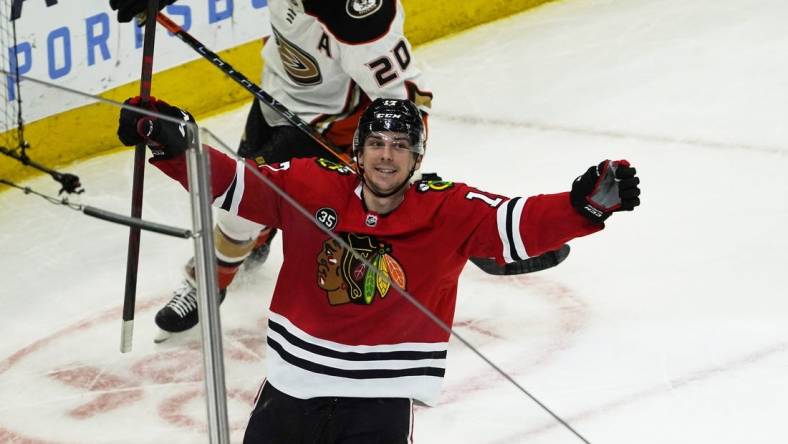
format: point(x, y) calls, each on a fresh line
point(166, 139)
point(127, 9)
point(604, 189)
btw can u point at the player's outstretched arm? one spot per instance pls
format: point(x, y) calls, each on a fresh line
point(551, 220)
point(168, 140)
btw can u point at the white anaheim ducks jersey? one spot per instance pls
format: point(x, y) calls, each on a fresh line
point(327, 58)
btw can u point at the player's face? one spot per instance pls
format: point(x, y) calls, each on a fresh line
point(387, 159)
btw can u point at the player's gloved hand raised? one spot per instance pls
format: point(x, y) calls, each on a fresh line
point(165, 139)
point(127, 9)
point(604, 189)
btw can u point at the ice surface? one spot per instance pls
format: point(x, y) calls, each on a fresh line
point(668, 327)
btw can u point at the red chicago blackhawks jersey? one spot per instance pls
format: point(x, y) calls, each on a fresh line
point(335, 327)
point(327, 58)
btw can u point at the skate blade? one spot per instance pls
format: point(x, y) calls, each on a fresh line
point(162, 336)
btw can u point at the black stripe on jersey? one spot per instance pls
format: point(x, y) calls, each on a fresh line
point(228, 197)
point(349, 24)
point(354, 374)
point(510, 228)
point(354, 356)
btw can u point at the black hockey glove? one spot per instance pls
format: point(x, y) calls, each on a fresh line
point(165, 139)
point(604, 189)
point(127, 9)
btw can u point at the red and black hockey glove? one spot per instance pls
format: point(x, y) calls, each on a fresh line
point(165, 139)
point(127, 9)
point(604, 189)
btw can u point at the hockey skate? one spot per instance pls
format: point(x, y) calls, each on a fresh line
point(180, 314)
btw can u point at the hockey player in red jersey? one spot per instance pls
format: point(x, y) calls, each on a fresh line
point(325, 61)
point(347, 353)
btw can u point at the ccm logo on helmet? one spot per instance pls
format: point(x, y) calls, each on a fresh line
point(387, 116)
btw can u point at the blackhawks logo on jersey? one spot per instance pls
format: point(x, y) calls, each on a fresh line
point(347, 279)
point(433, 185)
point(333, 166)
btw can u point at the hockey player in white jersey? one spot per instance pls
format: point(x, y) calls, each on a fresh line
point(325, 61)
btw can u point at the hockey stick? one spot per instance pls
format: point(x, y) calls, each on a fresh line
point(138, 178)
point(258, 92)
point(529, 265)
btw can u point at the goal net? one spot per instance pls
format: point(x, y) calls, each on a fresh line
point(9, 123)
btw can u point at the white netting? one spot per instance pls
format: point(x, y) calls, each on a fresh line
point(9, 137)
point(7, 91)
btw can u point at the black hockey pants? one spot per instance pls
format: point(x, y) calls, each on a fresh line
point(265, 144)
point(278, 418)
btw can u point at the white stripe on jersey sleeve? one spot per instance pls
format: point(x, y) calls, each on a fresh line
point(518, 240)
point(513, 245)
point(237, 188)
